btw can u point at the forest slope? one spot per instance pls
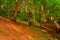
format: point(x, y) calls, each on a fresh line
point(10, 30)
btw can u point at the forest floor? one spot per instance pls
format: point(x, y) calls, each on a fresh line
point(10, 30)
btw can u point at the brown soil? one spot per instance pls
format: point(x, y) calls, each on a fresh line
point(10, 30)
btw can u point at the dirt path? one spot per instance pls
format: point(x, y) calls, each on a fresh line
point(15, 31)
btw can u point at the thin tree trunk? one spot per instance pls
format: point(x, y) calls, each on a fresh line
point(16, 10)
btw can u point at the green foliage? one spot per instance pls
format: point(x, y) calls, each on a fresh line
point(22, 16)
point(35, 14)
point(53, 6)
point(37, 2)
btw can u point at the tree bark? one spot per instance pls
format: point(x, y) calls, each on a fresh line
point(16, 10)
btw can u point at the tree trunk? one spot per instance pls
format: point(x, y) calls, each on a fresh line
point(16, 10)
